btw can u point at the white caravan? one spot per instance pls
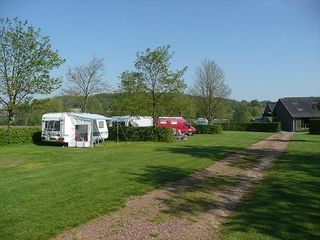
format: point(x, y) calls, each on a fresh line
point(134, 121)
point(74, 129)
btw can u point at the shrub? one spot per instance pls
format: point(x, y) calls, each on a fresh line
point(265, 127)
point(154, 134)
point(254, 127)
point(235, 126)
point(209, 129)
point(314, 126)
point(19, 135)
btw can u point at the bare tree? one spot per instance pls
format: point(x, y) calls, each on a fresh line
point(210, 89)
point(86, 80)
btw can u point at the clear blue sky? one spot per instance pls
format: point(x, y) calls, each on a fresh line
point(268, 49)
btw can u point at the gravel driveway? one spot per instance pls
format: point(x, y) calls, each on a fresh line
point(192, 208)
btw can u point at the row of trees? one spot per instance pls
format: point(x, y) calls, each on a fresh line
point(113, 104)
point(152, 88)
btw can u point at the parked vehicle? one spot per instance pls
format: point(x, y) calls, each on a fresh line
point(202, 121)
point(134, 121)
point(178, 124)
point(74, 129)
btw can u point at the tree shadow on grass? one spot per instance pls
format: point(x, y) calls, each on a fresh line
point(158, 176)
point(209, 152)
point(286, 203)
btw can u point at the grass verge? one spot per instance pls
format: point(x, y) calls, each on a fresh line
point(286, 204)
point(45, 190)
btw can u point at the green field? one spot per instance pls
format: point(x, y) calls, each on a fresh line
point(45, 190)
point(286, 205)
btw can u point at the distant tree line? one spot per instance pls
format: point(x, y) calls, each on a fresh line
point(151, 88)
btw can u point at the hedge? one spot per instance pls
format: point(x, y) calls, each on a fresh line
point(254, 127)
point(154, 134)
point(314, 126)
point(209, 129)
point(33, 135)
point(20, 135)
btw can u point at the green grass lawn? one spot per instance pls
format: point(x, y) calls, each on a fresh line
point(45, 190)
point(286, 205)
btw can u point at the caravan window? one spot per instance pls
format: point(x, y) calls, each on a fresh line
point(101, 124)
point(52, 125)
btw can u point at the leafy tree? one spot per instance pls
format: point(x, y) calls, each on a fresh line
point(86, 80)
point(30, 114)
point(241, 114)
point(95, 106)
point(134, 99)
point(210, 89)
point(177, 105)
point(153, 68)
point(26, 59)
point(255, 111)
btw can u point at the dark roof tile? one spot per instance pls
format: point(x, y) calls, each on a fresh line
point(302, 107)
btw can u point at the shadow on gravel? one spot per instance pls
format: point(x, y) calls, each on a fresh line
point(197, 198)
point(291, 140)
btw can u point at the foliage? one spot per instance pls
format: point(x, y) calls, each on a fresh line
point(209, 129)
point(177, 105)
point(153, 77)
point(154, 134)
point(46, 190)
point(18, 135)
point(254, 127)
point(26, 59)
point(210, 89)
point(241, 114)
point(134, 100)
point(314, 126)
point(30, 114)
point(86, 80)
point(285, 205)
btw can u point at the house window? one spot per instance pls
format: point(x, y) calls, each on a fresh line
point(101, 124)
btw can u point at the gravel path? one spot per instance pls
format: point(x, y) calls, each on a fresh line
point(192, 208)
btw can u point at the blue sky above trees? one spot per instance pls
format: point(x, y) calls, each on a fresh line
point(268, 49)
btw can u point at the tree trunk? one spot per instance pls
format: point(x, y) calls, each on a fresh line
point(10, 117)
point(153, 108)
point(84, 108)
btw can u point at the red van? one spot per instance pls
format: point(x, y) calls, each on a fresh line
point(176, 123)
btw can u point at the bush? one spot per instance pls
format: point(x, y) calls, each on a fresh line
point(254, 127)
point(235, 126)
point(314, 126)
point(154, 134)
point(20, 135)
point(265, 127)
point(209, 129)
